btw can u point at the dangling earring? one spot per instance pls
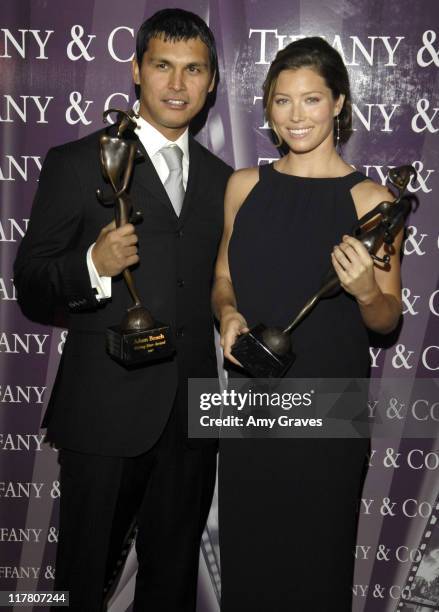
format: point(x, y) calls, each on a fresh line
point(337, 143)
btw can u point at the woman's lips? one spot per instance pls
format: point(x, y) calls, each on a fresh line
point(299, 132)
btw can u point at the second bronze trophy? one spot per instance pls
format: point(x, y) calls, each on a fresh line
point(266, 352)
point(138, 338)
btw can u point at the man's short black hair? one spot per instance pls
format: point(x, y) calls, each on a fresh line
point(174, 25)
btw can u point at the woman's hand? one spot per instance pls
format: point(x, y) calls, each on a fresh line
point(354, 267)
point(232, 325)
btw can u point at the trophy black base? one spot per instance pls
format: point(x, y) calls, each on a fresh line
point(140, 346)
point(255, 356)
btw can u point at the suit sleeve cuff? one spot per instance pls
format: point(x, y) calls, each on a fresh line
point(101, 284)
point(74, 280)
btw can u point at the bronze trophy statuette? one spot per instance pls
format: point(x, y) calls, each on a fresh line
point(266, 352)
point(138, 338)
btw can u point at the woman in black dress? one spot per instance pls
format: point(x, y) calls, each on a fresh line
point(288, 509)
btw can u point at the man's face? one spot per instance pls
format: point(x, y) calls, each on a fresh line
point(175, 78)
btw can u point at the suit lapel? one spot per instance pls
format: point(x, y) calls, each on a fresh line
point(195, 155)
point(145, 175)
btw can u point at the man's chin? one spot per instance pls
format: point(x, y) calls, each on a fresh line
point(175, 121)
point(178, 119)
point(176, 125)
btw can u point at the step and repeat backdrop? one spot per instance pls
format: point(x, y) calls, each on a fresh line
point(61, 65)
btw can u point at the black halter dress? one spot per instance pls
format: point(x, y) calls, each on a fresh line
point(288, 508)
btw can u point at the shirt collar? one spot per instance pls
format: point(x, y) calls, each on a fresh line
point(153, 140)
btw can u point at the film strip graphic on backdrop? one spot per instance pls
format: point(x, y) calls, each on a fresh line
point(421, 590)
point(113, 579)
point(209, 547)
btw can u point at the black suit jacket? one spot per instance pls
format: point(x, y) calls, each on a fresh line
point(98, 406)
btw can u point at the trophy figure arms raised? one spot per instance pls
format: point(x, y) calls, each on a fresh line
point(138, 338)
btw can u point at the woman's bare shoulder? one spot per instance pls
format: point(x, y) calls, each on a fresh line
point(241, 182)
point(368, 194)
point(243, 179)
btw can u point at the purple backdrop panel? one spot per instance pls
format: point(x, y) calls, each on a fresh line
point(61, 66)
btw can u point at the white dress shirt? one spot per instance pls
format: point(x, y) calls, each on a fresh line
point(153, 141)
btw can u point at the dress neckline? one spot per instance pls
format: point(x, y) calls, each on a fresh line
point(313, 178)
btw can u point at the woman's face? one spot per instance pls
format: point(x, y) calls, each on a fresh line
point(303, 109)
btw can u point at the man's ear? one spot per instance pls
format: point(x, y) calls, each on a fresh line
point(212, 83)
point(135, 71)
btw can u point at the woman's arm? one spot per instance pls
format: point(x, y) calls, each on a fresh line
point(232, 323)
point(376, 288)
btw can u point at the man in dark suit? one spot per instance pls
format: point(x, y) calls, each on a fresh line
point(122, 432)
